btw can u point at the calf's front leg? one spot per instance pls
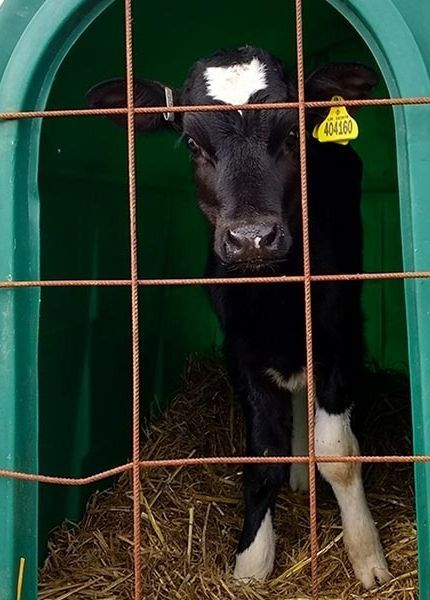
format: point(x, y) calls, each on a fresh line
point(267, 434)
point(333, 436)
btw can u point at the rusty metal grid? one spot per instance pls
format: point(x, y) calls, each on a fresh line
point(134, 283)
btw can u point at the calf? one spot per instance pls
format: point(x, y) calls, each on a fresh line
point(247, 172)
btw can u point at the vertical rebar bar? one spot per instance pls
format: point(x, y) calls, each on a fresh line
point(308, 300)
point(134, 301)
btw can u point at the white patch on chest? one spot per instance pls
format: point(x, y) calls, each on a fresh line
point(237, 83)
point(295, 383)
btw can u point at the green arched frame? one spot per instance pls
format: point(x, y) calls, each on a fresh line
point(396, 33)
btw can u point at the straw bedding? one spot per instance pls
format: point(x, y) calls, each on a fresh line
point(191, 517)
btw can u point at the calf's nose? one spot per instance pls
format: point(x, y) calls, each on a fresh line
point(253, 241)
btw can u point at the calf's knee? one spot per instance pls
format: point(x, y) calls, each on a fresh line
point(334, 437)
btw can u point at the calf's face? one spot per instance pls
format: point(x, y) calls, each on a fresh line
point(246, 163)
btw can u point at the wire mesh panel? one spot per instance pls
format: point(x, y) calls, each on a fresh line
point(134, 283)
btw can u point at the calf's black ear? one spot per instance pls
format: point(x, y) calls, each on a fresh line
point(113, 94)
point(352, 81)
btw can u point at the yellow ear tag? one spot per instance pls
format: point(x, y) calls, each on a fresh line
point(338, 127)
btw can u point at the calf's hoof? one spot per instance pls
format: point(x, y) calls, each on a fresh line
point(256, 561)
point(369, 565)
point(372, 572)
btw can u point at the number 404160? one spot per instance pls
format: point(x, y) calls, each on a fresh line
point(341, 127)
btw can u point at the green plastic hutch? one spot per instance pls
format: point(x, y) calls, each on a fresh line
point(65, 398)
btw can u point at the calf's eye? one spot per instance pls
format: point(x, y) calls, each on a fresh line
point(293, 134)
point(193, 147)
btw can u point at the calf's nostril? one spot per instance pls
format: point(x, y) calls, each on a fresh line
point(252, 239)
point(234, 239)
point(270, 237)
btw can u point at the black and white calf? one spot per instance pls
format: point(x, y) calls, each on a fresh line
point(248, 182)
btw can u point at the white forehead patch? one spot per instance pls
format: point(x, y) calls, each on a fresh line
point(237, 83)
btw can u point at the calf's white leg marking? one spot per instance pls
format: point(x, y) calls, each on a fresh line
point(333, 436)
point(236, 84)
point(256, 562)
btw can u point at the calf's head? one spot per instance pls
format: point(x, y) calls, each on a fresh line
point(246, 162)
